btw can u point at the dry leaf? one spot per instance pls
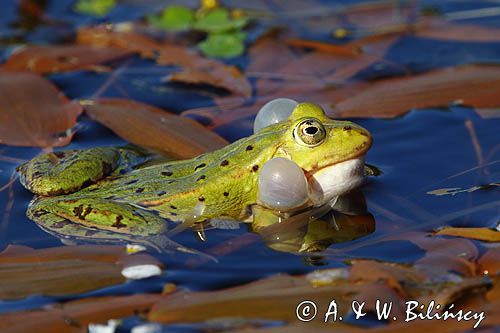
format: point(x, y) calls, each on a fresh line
point(61, 58)
point(33, 112)
point(477, 86)
point(74, 316)
point(482, 234)
point(63, 270)
point(196, 68)
point(153, 128)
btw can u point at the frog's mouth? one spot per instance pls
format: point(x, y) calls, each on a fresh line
point(335, 179)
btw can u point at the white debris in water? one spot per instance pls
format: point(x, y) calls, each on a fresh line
point(327, 276)
point(146, 328)
point(134, 248)
point(110, 327)
point(139, 272)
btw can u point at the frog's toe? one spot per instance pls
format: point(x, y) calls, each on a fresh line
point(68, 171)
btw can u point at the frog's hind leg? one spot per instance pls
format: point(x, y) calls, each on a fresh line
point(68, 171)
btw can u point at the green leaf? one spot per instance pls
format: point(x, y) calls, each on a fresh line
point(175, 18)
point(226, 45)
point(94, 7)
point(218, 20)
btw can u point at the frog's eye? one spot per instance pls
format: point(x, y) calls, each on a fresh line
point(310, 132)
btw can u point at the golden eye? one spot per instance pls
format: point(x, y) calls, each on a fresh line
point(309, 133)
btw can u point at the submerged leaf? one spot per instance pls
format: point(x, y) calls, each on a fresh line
point(33, 112)
point(53, 59)
point(153, 128)
point(63, 270)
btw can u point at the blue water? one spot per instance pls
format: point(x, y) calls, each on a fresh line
point(421, 151)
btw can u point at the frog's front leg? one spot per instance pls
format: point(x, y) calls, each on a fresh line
point(96, 213)
point(68, 171)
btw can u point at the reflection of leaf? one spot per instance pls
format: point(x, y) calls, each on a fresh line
point(63, 270)
point(74, 316)
point(456, 190)
point(174, 18)
point(478, 86)
point(224, 45)
point(53, 59)
point(213, 72)
point(483, 234)
point(154, 128)
point(33, 112)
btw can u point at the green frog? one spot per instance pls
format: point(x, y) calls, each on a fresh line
point(84, 192)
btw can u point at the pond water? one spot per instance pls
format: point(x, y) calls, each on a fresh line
point(419, 152)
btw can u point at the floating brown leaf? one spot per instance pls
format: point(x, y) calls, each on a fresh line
point(153, 128)
point(60, 58)
point(33, 112)
point(274, 298)
point(75, 316)
point(63, 270)
point(196, 69)
point(477, 86)
point(483, 234)
point(441, 29)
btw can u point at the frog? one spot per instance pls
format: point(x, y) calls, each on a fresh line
point(108, 191)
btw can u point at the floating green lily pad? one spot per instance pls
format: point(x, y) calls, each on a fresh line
point(226, 45)
point(94, 7)
point(218, 20)
point(175, 18)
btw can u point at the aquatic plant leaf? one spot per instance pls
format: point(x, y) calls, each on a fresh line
point(63, 270)
point(33, 112)
point(223, 45)
point(218, 20)
point(154, 128)
point(62, 58)
point(74, 316)
point(482, 234)
point(209, 71)
point(94, 7)
point(477, 86)
point(175, 18)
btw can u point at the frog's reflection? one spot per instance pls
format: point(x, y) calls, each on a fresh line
point(312, 230)
point(316, 229)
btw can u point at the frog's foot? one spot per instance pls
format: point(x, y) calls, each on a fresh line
point(101, 214)
point(68, 171)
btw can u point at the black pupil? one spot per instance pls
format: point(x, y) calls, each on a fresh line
point(311, 130)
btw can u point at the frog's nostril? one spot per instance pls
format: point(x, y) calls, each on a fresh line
point(347, 128)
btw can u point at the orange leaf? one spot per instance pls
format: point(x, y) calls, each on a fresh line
point(153, 128)
point(478, 86)
point(53, 59)
point(197, 69)
point(74, 316)
point(482, 234)
point(63, 270)
point(33, 112)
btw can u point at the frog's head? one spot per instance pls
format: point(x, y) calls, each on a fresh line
point(330, 152)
